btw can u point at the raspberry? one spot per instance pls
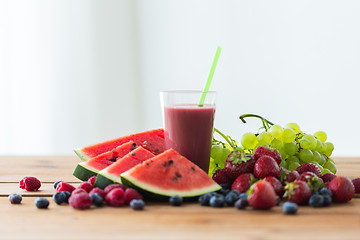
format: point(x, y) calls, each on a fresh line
point(98, 191)
point(92, 180)
point(86, 186)
point(112, 186)
point(80, 200)
point(356, 182)
point(131, 194)
point(30, 184)
point(64, 186)
point(115, 197)
point(327, 177)
point(78, 190)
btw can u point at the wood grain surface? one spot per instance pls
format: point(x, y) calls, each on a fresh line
point(158, 220)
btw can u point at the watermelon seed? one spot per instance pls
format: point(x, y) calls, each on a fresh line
point(134, 144)
point(178, 175)
point(113, 159)
point(171, 162)
point(133, 154)
point(193, 169)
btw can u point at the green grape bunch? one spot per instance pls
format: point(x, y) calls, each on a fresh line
point(295, 146)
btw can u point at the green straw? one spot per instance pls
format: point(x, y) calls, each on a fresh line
point(210, 77)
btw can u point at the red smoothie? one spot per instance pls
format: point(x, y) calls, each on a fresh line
point(188, 130)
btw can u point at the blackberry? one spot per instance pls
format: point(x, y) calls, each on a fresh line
point(175, 200)
point(56, 183)
point(97, 200)
point(316, 200)
point(204, 199)
point(137, 204)
point(231, 198)
point(241, 203)
point(217, 201)
point(42, 203)
point(59, 197)
point(289, 208)
point(15, 198)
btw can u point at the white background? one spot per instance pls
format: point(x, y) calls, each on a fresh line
point(74, 73)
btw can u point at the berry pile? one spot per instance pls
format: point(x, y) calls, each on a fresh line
point(260, 181)
point(294, 146)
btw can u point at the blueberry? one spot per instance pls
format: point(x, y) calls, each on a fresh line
point(59, 197)
point(137, 204)
point(42, 203)
point(67, 195)
point(325, 191)
point(278, 200)
point(241, 203)
point(217, 201)
point(175, 200)
point(204, 199)
point(97, 199)
point(316, 200)
point(225, 186)
point(289, 208)
point(15, 198)
point(223, 191)
point(235, 192)
point(231, 198)
point(56, 183)
point(243, 196)
point(327, 200)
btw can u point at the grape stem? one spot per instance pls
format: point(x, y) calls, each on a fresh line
point(229, 141)
point(266, 123)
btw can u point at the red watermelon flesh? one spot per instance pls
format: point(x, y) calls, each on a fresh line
point(169, 174)
point(123, 164)
point(152, 140)
point(90, 168)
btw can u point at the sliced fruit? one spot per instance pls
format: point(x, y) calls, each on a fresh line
point(85, 170)
point(152, 140)
point(169, 174)
point(111, 174)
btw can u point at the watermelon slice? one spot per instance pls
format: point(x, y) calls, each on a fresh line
point(111, 174)
point(152, 140)
point(85, 170)
point(169, 174)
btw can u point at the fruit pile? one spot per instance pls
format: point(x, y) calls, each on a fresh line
point(294, 146)
point(259, 180)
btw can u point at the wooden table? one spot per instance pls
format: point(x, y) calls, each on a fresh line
point(158, 220)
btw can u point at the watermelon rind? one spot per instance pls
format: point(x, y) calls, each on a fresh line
point(103, 181)
point(84, 172)
point(155, 193)
point(81, 155)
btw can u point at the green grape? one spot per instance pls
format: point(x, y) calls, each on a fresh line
point(305, 144)
point(319, 146)
point(293, 166)
point(276, 131)
point(325, 170)
point(283, 153)
point(292, 159)
point(288, 135)
point(283, 164)
point(225, 154)
point(276, 143)
point(321, 135)
point(331, 166)
point(291, 148)
point(294, 127)
point(328, 149)
point(316, 158)
point(319, 166)
point(264, 138)
point(249, 140)
point(305, 155)
point(331, 160)
point(212, 166)
point(322, 159)
point(216, 153)
point(312, 141)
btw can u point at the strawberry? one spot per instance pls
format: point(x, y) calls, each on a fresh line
point(243, 182)
point(298, 192)
point(268, 151)
point(292, 176)
point(356, 182)
point(276, 184)
point(314, 182)
point(327, 177)
point(262, 195)
point(65, 187)
point(92, 180)
point(309, 167)
point(266, 166)
point(221, 177)
point(342, 188)
point(238, 163)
